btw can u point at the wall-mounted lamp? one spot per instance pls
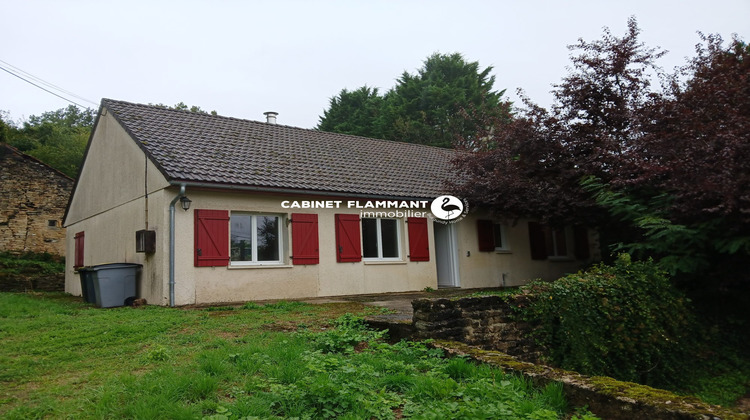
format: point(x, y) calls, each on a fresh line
point(185, 203)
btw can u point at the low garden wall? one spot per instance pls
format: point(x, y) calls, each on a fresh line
point(485, 321)
point(40, 283)
point(483, 329)
point(606, 397)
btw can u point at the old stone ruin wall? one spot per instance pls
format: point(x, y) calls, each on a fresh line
point(33, 198)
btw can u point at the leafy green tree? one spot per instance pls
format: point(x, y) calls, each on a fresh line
point(182, 106)
point(57, 138)
point(532, 166)
point(667, 170)
point(356, 112)
point(687, 195)
point(70, 117)
point(4, 128)
point(427, 107)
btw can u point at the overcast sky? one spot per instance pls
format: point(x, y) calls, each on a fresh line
point(242, 58)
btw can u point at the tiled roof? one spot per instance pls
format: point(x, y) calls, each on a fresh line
point(196, 147)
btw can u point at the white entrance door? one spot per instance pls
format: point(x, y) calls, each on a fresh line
point(446, 254)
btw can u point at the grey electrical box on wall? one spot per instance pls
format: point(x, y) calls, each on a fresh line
point(145, 241)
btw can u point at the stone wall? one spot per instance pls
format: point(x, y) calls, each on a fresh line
point(483, 329)
point(481, 321)
point(33, 197)
point(606, 397)
point(28, 283)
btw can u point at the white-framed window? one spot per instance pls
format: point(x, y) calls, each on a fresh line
point(500, 237)
point(255, 239)
point(381, 239)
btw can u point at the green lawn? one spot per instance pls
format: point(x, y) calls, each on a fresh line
point(61, 358)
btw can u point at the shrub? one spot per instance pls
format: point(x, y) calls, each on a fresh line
point(625, 321)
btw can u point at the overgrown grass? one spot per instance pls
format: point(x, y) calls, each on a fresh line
point(61, 358)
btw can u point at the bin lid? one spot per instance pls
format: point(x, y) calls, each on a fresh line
point(113, 266)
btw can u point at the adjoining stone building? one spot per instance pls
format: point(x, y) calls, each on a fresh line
point(33, 197)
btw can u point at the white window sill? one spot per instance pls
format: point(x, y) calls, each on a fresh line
point(561, 259)
point(503, 251)
point(245, 266)
point(383, 262)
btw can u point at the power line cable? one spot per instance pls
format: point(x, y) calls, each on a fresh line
point(46, 90)
point(40, 81)
point(44, 82)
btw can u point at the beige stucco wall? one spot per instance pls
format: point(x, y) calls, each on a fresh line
point(329, 278)
point(196, 285)
point(110, 238)
point(486, 269)
point(114, 173)
point(109, 205)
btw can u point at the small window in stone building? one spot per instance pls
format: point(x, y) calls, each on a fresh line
point(52, 223)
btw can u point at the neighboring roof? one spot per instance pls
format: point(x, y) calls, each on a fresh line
point(6, 148)
point(203, 148)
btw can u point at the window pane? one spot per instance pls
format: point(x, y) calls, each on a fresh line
point(498, 234)
point(369, 238)
point(389, 232)
point(241, 237)
point(561, 248)
point(268, 238)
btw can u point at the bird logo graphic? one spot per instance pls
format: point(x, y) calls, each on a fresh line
point(447, 207)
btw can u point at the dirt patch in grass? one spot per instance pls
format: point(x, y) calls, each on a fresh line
point(743, 404)
point(281, 327)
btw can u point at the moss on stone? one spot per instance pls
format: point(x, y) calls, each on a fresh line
point(620, 393)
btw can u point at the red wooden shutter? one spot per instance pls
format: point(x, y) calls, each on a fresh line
point(305, 239)
point(581, 242)
point(538, 241)
point(348, 244)
point(486, 235)
point(211, 238)
point(419, 243)
point(79, 239)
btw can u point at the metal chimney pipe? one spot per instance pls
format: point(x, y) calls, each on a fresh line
point(271, 117)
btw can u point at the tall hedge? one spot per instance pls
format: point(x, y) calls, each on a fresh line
point(624, 320)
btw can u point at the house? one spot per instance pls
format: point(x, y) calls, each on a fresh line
point(221, 209)
point(33, 197)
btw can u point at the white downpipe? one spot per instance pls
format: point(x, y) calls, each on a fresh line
point(171, 243)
